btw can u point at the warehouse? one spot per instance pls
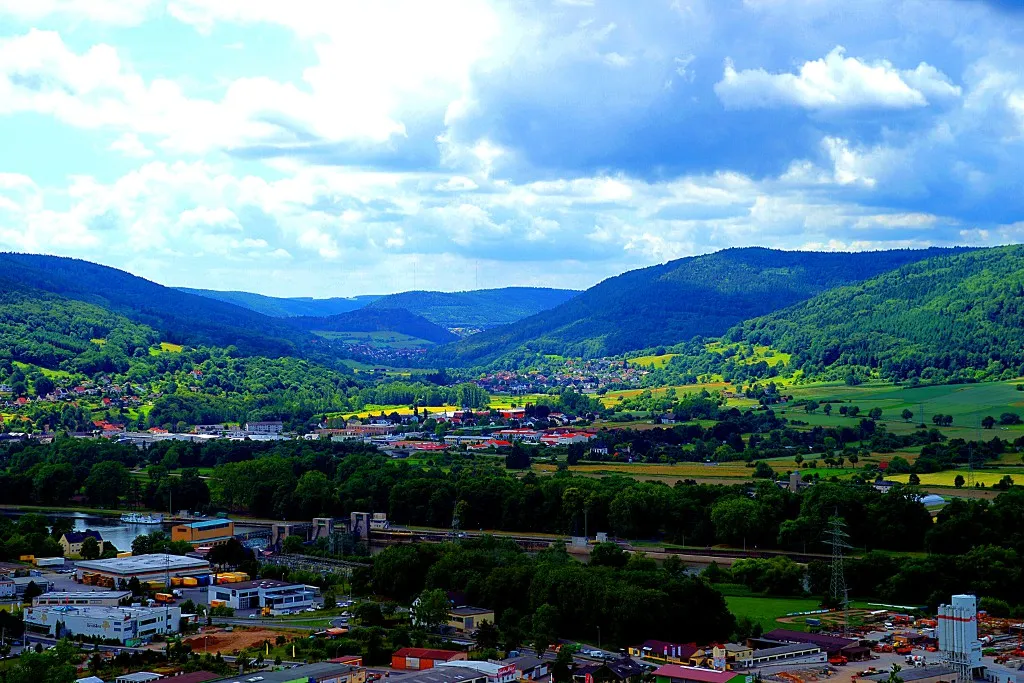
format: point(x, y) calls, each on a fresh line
point(82, 598)
point(278, 597)
point(448, 674)
point(674, 673)
point(496, 672)
point(206, 533)
point(127, 625)
point(417, 659)
point(323, 672)
point(142, 567)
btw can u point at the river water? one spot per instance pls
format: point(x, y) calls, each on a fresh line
point(111, 529)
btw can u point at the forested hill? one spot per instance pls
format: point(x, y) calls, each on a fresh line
point(956, 317)
point(286, 307)
point(674, 302)
point(178, 317)
point(478, 309)
point(377, 320)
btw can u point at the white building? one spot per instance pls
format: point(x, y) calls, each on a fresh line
point(496, 672)
point(138, 677)
point(123, 624)
point(152, 567)
point(272, 427)
point(278, 597)
point(7, 588)
point(81, 598)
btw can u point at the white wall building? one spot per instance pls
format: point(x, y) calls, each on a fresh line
point(496, 672)
point(123, 624)
point(81, 598)
point(280, 597)
point(7, 588)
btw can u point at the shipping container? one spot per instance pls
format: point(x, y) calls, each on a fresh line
point(217, 603)
point(164, 598)
point(204, 580)
point(49, 561)
point(127, 553)
point(189, 581)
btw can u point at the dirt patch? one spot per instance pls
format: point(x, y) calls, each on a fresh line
point(218, 640)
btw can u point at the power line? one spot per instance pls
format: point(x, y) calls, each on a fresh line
point(836, 537)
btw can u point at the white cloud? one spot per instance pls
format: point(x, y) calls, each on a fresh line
point(835, 82)
point(130, 146)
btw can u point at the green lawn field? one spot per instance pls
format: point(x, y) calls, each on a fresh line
point(767, 610)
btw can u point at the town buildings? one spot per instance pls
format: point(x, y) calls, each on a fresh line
point(155, 567)
point(82, 598)
point(417, 658)
point(124, 624)
point(275, 597)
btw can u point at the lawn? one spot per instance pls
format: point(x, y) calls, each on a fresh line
point(655, 362)
point(166, 347)
point(767, 611)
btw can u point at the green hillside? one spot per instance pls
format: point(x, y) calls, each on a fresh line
point(377, 320)
point(950, 318)
point(285, 307)
point(479, 309)
point(674, 302)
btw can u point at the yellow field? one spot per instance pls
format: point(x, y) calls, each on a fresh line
point(655, 362)
point(372, 410)
point(988, 478)
point(168, 347)
point(98, 342)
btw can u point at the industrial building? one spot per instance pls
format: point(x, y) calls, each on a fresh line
point(674, 673)
point(82, 598)
point(496, 672)
point(957, 631)
point(790, 652)
point(323, 672)
point(277, 597)
point(7, 588)
point(468, 619)
point(209, 532)
point(664, 652)
point(138, 677)
point(127, 625)
point(156, 567)
point(449, 674)
point(418, 659)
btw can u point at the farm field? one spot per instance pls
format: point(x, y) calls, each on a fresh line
point(946, 478)
point(506, 401)
point(612, 397)
point(385, 340)
point(761, 353)
point(655, 362)
point(371, 410)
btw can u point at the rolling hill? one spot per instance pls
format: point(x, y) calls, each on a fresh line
point(950, 318)
point(478, 309)
point(286, 307)
point(177, 316)
point(666, 304)
point(377, 320)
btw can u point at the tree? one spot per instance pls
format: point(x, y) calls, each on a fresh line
point(906, 415)
point(853, 411)
point(811, 406)
point(827, 409)
point(32, 590)
point(914, 480)
point(90, 548)
point(431, 609)
point(853, 458)
point(52, 666)
point(561, 670)
point(798, 459)
point(293, 545)
point(763, 471)
point(988, 422)
point(105, 483)
point(875, 413)
point(608, 555)
point(545, 627)
point(487, 636)
point(958, 481)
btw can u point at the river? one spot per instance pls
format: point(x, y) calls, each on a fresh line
point(111, 529)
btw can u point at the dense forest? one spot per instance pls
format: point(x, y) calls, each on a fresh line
point(480, 309)
point(674, 302)
point(377, 320)
point(285, 307)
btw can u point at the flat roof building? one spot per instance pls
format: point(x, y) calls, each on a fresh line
point(276, 597)
point(674, 673)
point(468, 619)
point(208, 532)
point(496, 672)
point(128, 625)
point(142, 567)
point(418, 658)
point(138, 677)
point(447, 674)
point(322, 672)
point(80, 598)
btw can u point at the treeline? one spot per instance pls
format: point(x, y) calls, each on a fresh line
point(539, 599)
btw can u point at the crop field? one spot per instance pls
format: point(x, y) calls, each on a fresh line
point(986, 477)
point(166, 347)
point(384, 340)
point(655, 362)
point(371, 410)
point(503, 401)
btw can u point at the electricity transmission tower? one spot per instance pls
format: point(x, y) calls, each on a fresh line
point(453, 534)
point(836, 537)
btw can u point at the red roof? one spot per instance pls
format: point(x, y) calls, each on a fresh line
point(692, 673)
point(423, 653)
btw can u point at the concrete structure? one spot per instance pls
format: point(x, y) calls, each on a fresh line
point(468, 619)
point(143, 567)
point(123, 624)
point(674, 673)
point(448, 674)
point(138, 677)
point(277, 597)
point(957, 632)
point(209, 532)
point(496, 672)
point(418, 659)
point(82, 598)
point(924, 674)
point(996, 673)
point(71, 542)
point(362, 523)
point(791, 652)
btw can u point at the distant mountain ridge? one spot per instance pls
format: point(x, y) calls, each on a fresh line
point(377, 320)
point(278, 307)
point(666, 304)
point(477, 309)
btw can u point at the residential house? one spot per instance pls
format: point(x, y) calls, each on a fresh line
point(468, 619)
point(530, 668)
point(71, 542)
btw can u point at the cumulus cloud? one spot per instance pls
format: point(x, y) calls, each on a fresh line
point(835, 82)
point(130, 146)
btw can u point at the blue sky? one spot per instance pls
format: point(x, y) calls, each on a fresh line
point(334, 148)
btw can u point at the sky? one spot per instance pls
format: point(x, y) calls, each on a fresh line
point(335, 148)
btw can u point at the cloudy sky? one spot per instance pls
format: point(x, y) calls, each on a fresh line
point(332, 147)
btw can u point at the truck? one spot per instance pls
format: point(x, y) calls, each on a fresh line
point(164, 598)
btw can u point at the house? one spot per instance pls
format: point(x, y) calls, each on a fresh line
point(418, 659)
point(661, 651)
point(71, 542)
point(468, 619)
point(674, 673)
point(7, 588)
point(622, 670)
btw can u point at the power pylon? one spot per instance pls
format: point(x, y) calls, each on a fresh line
point(836, 537)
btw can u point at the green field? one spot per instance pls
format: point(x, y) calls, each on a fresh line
point(166, 347)
point(766, 611)
point(761, 353)
point(655, 362)
point(384, 340)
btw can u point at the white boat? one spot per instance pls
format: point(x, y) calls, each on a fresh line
point(137, 518)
